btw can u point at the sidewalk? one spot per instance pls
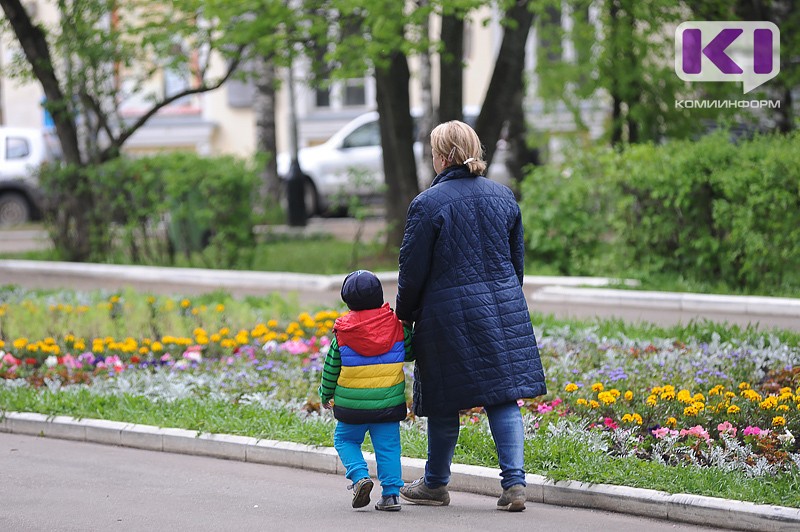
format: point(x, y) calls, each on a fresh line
point(699, 510)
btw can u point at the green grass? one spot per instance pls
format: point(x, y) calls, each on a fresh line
point(558, 458)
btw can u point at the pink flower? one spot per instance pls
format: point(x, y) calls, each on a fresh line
point(544, 408)
point(751, 430)
point(608, 422)
point(9, 359)
point(557, 401)
point(663, 431)
point(727, 428)
point(520, 402)
point(697, 431)
point(165, 357)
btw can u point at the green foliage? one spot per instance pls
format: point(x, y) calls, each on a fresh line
point(708, 211)
point(711, 209)
point(146, 210)
point(566, 211)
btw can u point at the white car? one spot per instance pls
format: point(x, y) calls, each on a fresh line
point(22, 151)
point(351, 163)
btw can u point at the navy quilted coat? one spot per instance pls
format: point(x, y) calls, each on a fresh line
point(461, 270)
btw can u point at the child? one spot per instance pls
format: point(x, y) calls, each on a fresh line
point(363, 374)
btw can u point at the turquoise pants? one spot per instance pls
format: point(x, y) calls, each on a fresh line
point(348, 438)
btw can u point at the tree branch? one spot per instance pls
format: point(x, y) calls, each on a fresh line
point(116, 143)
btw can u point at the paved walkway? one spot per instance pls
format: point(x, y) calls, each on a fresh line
point(57, 485)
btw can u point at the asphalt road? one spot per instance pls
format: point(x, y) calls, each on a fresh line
point(59, 485)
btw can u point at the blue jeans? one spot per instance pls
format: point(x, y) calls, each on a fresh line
point(505, 422)
point(347, 439)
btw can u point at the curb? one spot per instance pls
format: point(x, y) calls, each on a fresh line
point(689, 302)
point(695, 509)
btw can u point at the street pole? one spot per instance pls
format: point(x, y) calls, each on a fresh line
point(295, 186)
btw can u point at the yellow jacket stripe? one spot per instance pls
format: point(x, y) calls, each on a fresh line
point(374, 376)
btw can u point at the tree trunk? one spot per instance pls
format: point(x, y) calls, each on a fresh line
point(506, 78)
point(397, 132)
point(428, 118)
point(34, 45)
point(266, 143)
point(451, 69)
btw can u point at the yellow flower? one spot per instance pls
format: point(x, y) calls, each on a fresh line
point(19, 343)
point(628, 395)
point(729, 395)
point(782, 408)
point(652, 400)
point(224, 331)
point(598, 387)
point(114, 299)
point(157, 346)
point(582, 402)
point(185, 303)
point(671, 422)
point(220, 307)
point(143, 350)
point(744, 386)
point(607, 398)
point(752, 396)
point(616, 393)
point(216, 338)
point(784, 390)
point(698, 397)
point(151, 300)
point(627, 418)
point(272, 324)
point(594, 404)
point(769, 403)
point(685, 396)
point(778, 421)
point(571, 387)
point(656, 390)
point(2, 344)
point(690, 411)
point(716, 390)
point(733, 409)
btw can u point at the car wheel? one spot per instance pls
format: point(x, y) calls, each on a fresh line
point(310, 197)
point(14, 209)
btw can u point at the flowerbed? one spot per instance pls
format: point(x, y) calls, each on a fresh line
point(733, 405)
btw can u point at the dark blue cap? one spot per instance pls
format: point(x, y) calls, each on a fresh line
point(362, 290)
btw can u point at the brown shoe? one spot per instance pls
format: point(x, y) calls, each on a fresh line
point(513, 499)
point(419, 493)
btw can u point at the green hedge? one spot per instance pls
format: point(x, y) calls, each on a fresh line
point(709, 210)
point(153, 209)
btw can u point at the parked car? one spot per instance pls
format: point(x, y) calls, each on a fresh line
point(22, 151)
point(351, 163)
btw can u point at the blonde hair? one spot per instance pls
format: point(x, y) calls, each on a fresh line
point(459, 144)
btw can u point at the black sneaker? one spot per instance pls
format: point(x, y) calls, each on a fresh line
point(388, 503)
point(419, 493)
point(361, 490)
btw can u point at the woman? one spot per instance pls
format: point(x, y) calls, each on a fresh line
point(460, 283)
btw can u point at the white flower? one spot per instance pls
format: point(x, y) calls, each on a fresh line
point(787, 437)
point(51, 361)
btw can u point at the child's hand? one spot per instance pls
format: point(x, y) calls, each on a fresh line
point(327, 405)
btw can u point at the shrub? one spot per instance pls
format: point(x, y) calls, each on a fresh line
point(707, 210)
point(146, 210)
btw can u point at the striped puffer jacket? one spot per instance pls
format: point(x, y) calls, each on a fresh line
point(363, 370)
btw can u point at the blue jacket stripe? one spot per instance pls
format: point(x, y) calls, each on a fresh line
point(351, 358)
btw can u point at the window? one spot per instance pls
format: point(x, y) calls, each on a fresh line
point(354, 92)
point(366, 135)
point(17, 148)
point(323, 97)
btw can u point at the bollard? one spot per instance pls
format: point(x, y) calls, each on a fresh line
point(295, 196)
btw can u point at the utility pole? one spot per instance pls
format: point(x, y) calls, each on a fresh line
point(295, 186)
